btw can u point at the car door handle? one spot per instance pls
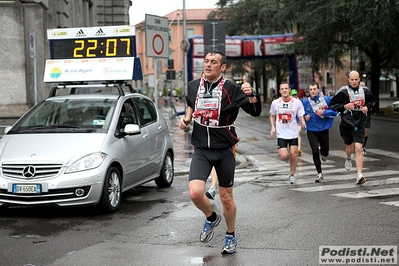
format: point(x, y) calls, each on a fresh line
point(159, 127)
point(145, 136)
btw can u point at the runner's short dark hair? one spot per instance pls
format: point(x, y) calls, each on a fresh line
point(314, 83)
point(223, 60)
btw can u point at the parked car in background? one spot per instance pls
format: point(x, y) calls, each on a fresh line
point(85, 145)
point(396, 107)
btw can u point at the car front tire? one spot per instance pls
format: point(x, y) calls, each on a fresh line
point(111, 196)
point(165, 178)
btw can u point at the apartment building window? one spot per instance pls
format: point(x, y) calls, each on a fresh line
point(190, 32)
point(329, 78)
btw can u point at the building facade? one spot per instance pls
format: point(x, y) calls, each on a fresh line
point(24, 45)
point(194, 25)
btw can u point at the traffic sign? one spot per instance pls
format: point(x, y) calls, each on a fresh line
point(157, 36)
point(32, 44)
point(185, 45)
point(214, 36)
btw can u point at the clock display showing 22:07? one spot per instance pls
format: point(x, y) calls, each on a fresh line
point(91, 48)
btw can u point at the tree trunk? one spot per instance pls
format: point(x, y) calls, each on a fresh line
point(278, 80)
point(256, 74)
point(375, 79)
point(265, 84)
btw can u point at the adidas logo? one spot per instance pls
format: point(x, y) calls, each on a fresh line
point(80, 33)
point(100, 32)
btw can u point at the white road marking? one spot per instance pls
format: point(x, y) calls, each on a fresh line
point(369, 193)
point(273, 172)
point(384, 153)
point(391, 203)
point(342, 154)
point(368, 184)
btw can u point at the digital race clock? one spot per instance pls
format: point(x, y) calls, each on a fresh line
point(106, 53)
point(94, 42)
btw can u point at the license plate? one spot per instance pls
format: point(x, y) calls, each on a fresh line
point(26, 189)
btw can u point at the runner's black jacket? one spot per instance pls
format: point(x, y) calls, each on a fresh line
point(232, 99)
point(354, 118)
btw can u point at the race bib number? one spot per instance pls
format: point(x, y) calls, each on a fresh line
point(208, 104)
point(284, 118)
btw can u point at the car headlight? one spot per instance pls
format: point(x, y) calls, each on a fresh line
point(88, 162)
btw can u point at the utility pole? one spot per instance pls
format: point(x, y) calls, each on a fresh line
point(185, 51)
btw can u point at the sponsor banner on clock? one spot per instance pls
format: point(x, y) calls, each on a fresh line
point(97, 69)
point(90, 32)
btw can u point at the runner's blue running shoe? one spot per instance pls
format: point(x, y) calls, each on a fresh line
point(230, 243)
point(207, 232)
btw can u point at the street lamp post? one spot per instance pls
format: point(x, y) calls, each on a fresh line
point(178, 39)
point(185, 50)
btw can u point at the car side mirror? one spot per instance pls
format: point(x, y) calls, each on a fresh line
point(132, 129)
point(7, 129)
point(129, 129)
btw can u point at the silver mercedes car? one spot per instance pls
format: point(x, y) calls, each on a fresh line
point(85, 145)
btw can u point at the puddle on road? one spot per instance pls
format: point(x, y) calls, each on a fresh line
point(197, 260)
point(203, 260)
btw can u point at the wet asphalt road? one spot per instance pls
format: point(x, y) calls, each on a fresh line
point(276, 225)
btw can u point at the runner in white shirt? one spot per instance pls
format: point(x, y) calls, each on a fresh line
point(286, 109)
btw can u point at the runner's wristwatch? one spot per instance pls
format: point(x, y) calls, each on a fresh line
point(253, 93)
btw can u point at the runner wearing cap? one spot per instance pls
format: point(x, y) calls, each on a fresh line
point(294, 93)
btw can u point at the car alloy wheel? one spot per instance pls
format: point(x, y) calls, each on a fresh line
point(165, 178)
point(111, 195)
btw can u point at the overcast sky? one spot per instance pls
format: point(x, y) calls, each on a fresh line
point(163, 7)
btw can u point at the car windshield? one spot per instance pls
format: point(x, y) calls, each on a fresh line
point(68, 115)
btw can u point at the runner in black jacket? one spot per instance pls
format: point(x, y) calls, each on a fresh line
point(353, 102)
point(213, 128)
point(213, 103)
